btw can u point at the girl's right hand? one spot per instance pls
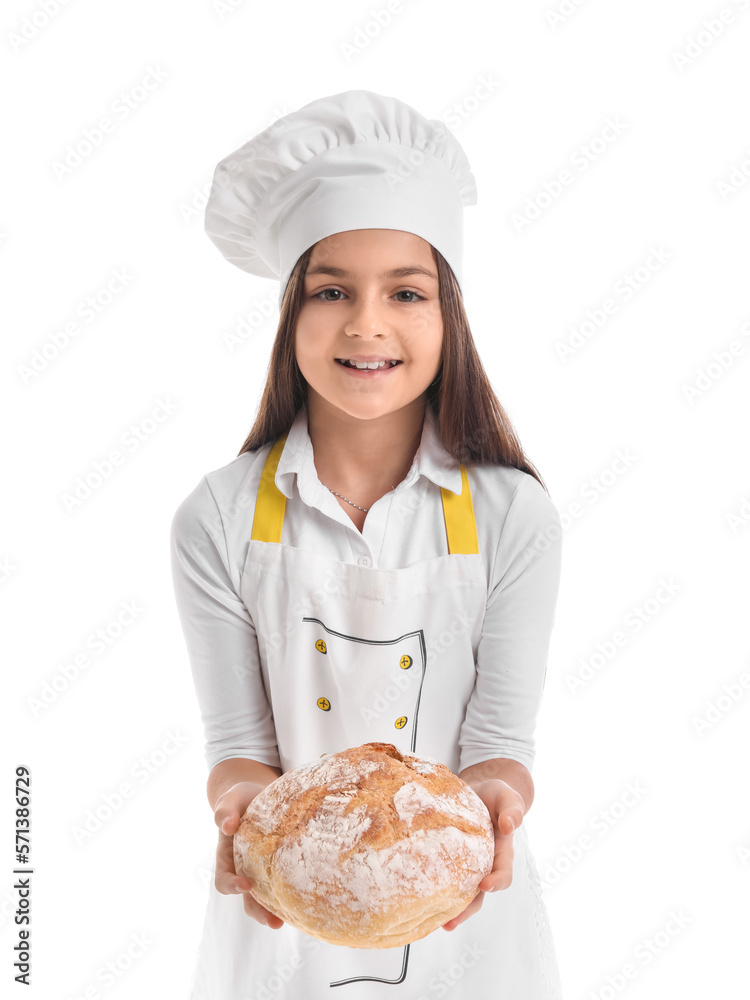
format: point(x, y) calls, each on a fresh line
point(229, 809)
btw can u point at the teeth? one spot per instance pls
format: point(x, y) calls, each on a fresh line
point(368, 364)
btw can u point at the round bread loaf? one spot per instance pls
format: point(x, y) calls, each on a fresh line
point(367, 848)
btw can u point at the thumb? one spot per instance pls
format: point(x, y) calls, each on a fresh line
point(229, 823)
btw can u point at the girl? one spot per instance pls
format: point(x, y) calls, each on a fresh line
point(380, 562)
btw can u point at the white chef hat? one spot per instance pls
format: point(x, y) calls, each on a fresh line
point(355, 160)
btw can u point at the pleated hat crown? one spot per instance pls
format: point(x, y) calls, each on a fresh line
point(355, 160)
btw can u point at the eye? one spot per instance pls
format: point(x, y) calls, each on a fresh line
point(404, 291)
point(318, 294)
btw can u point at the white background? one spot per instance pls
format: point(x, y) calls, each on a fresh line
point(524, 92)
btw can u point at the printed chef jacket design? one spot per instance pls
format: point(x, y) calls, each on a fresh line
point(428, 630)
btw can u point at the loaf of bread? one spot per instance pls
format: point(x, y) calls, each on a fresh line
point(367, 848)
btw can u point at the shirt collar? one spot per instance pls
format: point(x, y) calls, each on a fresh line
point(431, 460)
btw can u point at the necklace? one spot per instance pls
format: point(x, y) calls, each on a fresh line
point(365, 509)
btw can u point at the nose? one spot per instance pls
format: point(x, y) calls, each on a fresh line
point(366, 318)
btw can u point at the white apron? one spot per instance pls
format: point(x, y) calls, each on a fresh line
point(353, 655)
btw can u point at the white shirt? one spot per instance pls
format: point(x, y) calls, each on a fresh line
point(520, 541)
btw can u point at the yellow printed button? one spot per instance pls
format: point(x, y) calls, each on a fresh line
point(325, 704)
point(400, 723)
point(321, 646)
point(405, 662)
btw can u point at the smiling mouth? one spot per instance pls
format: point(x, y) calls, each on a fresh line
point(368, 365)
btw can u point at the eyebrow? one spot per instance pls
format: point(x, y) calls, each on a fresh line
point(396, 272)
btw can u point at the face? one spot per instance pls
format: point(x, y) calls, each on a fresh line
point(355, 306)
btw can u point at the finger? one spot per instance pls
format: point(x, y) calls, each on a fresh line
point(233, 886)
point(231, 805)
point(474, 905)
point(502, 866)
point(229, 824)
point(226, 817)
point(255, 909)
point(228, 883)
point(226, 879)
point(510, 815)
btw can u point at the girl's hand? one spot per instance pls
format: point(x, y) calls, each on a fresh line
point(229, 810)
point(506, 809)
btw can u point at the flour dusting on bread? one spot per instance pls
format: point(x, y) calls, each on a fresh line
point(368, 848)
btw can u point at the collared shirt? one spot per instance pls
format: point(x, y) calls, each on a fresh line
point(296, 468)
point(520, 540)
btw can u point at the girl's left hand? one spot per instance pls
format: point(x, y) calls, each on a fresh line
point(506, 809)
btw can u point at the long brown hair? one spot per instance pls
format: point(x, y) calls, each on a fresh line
point(473, 426)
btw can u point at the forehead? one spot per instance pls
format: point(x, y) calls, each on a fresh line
point(371, 244)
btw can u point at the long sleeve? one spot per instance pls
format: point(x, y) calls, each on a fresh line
point(220, 637)
point(512, 653)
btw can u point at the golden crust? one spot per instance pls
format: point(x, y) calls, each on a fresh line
point(367, 848)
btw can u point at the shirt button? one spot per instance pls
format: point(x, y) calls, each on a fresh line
point(364, 560)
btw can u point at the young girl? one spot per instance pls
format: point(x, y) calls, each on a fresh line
point(380, 562)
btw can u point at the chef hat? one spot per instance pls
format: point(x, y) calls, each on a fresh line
point(355, 160)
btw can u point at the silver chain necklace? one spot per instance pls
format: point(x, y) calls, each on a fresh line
point(365, 509)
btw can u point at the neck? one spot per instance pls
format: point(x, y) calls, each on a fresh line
point(363, 459)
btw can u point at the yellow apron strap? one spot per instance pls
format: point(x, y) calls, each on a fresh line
point(460, 523)
point(458, 511)
point(271, 502)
